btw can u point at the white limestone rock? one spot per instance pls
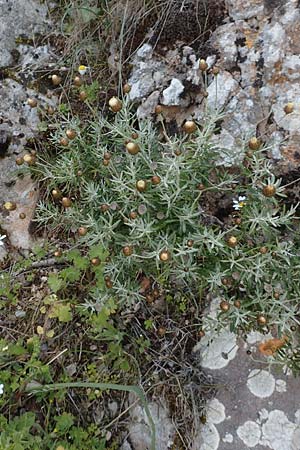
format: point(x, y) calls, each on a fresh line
point(171, 95)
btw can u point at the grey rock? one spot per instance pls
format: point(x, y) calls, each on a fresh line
point(33, 57)
point(245, 9)
point(19, 18)
point(20, 314)
point(113, 408)
point(220, 91)
point(25, 194)
point(71, 369)
point(275, 44)
point(171, 95)
point(224, 38)
point(139, 430)
point(229, 147)
point(145, 52)
point(272, 416)
point(126, 446)
point(259, 62)
point(147, 107)
point(19, 122)
point(3, 252)
point(141, 87)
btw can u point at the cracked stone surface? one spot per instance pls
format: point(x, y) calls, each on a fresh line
point(257, 52)
point(21, 21)
point(19, 18)
point(255, 407)
point(139, 430)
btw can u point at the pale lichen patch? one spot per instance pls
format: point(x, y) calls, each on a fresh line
point(215, 411)
point(261, 383)
point(249, 433)
point(228, 438)
point(278, 431)
point(209, 437)
point(217, 350)
point(280, 386)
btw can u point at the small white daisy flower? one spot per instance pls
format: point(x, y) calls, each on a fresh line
point(1, 240)
point(1, 388)
point(82, 69)
point(239, 203)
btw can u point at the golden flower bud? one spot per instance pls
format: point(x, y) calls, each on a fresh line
point(269, 190)
point(82, 96)
point(232, 241)
point(155, 179)
point(71, 134)
point(189, 126)
point(254, 143)
point(133, 215)
point(141, 185)
point(107, 155)
point(29, 159)
point(82, 231)
point(289, 108)
point(115, 104)
point(56, 194)
point(203, 66)
point(164, 255)
point(263, 250)
point(108, 284)
point(132, 148)
point(10, 206)
point(64, 142)
point(149, 298)
point(224, 306)
point(104, 207)
point(19, 161)
point(32, 102)
point(56, 80)
point(66, 202)
point(127, 250)
point(261, 319)
point(77, 81)
point(95, 261)
point(126, 88)
point(161, 331)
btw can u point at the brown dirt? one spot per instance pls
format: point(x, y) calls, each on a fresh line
point(190, 22)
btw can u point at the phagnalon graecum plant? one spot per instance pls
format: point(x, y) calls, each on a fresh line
point(169, 213)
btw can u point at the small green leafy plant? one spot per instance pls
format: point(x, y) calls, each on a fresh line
point(169, 214)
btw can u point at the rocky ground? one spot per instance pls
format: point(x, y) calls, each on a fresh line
point(22, 61)
point(257, 51)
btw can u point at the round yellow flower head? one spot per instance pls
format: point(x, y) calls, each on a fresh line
point(82, 69)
